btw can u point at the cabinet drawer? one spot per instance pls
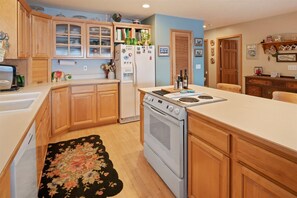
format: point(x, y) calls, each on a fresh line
point(259, 82)
point(107, 87)
point(213, 135)
point(82, 89)
point(291, 85)
point(272, 165)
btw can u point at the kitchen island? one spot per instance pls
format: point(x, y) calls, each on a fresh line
point(247, 143)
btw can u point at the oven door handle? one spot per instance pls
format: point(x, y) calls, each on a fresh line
point(155, 110)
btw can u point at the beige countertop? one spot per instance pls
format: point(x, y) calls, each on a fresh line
point(271, 120)
point(14, 125)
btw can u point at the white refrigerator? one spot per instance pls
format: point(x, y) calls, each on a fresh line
point(135, 68)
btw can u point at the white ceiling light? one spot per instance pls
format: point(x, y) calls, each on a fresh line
point(204, 26)
point(145, 5)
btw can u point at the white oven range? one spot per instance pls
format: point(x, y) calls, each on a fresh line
point(165, 135)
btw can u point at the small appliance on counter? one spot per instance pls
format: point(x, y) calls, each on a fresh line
point(8, 80)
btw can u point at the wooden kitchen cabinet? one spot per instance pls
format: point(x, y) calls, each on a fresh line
point(24, 26)
point(60, 110)
point(41, 35)
point(68, 39)
point(208, 170)
point(83, 105)
point(99, 40)
point(264, 86)
point(5, 183)
point(40, 69)
point(141, 108)
point(107, 103)
point(208, 165)
point(253, 185)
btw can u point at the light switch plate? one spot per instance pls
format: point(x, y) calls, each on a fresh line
point(198, 66)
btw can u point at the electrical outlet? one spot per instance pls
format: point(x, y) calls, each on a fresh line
point(85, 67)
point(292, 67)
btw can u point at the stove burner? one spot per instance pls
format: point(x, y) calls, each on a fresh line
point(188, 99)
point(205, 97)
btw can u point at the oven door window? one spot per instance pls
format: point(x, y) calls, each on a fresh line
point(165, 136)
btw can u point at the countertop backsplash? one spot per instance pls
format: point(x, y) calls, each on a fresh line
point(77, 71)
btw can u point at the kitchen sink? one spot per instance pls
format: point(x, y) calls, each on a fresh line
point(14, 105)
point(17, 102)
point(19, 96)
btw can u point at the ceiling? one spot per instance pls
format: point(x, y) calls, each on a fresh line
point(215, 13)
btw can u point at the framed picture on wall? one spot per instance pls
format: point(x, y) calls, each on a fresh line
point(251, 51)
point(286, 57)
point(198, 52)
point(163, 50)
point(198, 42)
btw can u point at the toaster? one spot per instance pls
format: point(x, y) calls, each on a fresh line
point(7, 77)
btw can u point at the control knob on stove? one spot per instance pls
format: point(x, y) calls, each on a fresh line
point(149, 98)
point(176, 111)
point(170, 108)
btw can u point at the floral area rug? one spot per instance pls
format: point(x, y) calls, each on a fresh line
point(79, 168)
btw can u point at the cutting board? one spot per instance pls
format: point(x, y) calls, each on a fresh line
point(172, 90)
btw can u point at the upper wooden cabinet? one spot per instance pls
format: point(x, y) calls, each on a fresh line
point(99, 41)
point(69, 39)
point(41, 35)
point(125, 30)
point(24, 25)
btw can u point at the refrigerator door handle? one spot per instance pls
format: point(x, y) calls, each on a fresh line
point(135, 73)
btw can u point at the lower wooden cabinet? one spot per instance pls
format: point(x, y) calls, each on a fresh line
point(208, 170)
point(107, 103)
point(141, 109)
point(43, 128)
point(82, 109)
point(5, 183)
point(60, 110)
point(252, 185)
point(251, 168)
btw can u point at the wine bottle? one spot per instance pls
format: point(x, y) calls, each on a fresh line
point(185, 80)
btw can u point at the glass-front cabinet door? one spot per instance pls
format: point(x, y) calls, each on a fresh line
point(69, 40)
point(99, 41)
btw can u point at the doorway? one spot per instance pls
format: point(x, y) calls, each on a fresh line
point(181, 54)
point(206, 75)
point(229, 66)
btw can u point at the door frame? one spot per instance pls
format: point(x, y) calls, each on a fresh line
point(219, 39)
point(206, 56)
point(172, 54)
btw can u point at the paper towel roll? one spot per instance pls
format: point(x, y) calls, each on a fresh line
point(67, 62)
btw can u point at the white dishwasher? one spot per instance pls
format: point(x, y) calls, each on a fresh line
point(23, 178)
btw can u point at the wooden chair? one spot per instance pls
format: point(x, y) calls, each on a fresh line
point(229, 87)
point(285, 96)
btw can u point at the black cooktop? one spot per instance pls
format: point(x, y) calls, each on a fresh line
point(161, 92)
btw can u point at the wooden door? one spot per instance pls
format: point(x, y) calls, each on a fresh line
point(252, 185)
point(60, 110)
point(107, 106)
point(41, 37)
point(83, 109)
point(181, 45)
point(208, 170)
point(206, 73)
point(229, 61)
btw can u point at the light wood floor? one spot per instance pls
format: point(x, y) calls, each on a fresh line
point(125, 151)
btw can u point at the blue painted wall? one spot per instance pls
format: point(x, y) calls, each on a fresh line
point(162, 25)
